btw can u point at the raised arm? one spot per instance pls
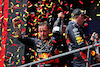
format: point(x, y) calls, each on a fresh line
point(57, 28)
point(15, 22)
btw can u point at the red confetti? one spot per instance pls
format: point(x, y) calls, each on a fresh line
point(75, 58)
point(23, 30)
point(66, 4)
point(14, 45)
point(92, 1)
point(71, 5)
point(80, 2)
point(83, 55)
point(54, 41)
point(61, 3)
point(17, 1)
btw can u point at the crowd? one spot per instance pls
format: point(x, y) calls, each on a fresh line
point(47, 46)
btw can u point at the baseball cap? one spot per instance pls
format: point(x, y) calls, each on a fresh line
point(77, 12)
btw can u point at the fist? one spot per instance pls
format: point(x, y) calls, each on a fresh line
point(15, 22)
point(61, 15)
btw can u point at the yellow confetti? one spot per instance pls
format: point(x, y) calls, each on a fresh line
point(6, 19)
point(35, 20)
point(26, 35)
point(51, 34)
point(30, 30)
point(18, 56)
point(13, 32)
point(23, 15)
point(11, 41)
point(17, 12)
point(25, 24)
point(42, 5)
point(20, 14)
point(19, 25)
point(11, 3)
point(4, 56)
point(8, 29)
point(70, 18)
point(35, 23)
point(23, 5)
point(11, 54)
point(97, 4)
point(0, 38)
point(16, 36)
point(24, 19)
point(18, 60)
point(4, 65)
point(36, 34)
point(31, 57)
point(35, 54)
point(50, 5)
point(82, 11)
point(27, 12)
point(63, 34)
point(43, 0)
point(45, 8)
point(33, 27)
point(0, 11)
point(32, 50)
point(38, 59)
point(17, 63)
point(97, 14)
point(60, 51)
point(11, 10)
point(59, 1)
point(18, 50)
point(17, 5)
point(30, 6)
point(50, 16)
point(39, 16)
point(41, 11)
point(0, 48)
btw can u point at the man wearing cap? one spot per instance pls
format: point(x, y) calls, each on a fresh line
point(75, 37)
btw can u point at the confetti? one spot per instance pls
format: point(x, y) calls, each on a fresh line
point(43, 9)
point(97, 14)
point(80, 2)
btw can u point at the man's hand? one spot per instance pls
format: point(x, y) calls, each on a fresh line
point(61, 15)
point(94, 36)
point(15, 22)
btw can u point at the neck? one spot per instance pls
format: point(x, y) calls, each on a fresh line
point(76, 20)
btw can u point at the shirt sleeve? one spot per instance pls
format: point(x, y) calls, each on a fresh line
point(27, 41)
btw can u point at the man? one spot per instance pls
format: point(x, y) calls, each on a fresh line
point(42, 47)
point(75, 37)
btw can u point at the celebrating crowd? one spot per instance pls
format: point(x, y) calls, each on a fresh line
point(47, 46)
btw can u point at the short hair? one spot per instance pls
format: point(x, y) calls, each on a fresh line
point(44, 23)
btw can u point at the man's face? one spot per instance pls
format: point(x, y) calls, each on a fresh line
point(43, 31)
point(81, 20)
